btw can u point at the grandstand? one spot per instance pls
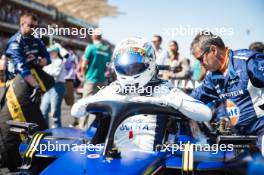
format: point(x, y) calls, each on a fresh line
point(68, 13)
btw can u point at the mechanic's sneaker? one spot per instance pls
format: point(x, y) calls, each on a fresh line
point(75, 123)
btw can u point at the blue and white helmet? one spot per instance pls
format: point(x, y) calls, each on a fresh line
point(134, 62)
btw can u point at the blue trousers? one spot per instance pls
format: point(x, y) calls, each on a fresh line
point(51, 102)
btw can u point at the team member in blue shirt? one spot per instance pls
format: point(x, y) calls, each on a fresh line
point(236, 79)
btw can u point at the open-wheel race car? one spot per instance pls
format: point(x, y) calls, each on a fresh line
point(94, 152)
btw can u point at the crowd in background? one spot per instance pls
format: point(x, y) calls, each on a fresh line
point(179, 66)
point(11, 14)
point(86, 74)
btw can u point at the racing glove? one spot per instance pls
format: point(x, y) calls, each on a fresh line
point(177, 99)
point(36, 95)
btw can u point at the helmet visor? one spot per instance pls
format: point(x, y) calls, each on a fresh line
point(130, 63)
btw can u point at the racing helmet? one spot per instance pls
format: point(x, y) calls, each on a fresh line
point(134, 62)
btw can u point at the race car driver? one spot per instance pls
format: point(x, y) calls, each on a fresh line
point(134, 64)
point(26, 55)
point(236, 79)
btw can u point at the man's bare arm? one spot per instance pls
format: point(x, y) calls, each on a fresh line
point(84, 66)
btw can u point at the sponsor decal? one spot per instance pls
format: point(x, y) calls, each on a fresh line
point(232, 111)
point(93, 156)
point(186, 84)
point(134, 127)
point(231, 94)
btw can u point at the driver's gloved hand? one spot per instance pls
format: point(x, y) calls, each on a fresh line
point(173, 99)
point(36, 95)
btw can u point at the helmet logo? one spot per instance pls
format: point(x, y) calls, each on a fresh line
point(132, 50)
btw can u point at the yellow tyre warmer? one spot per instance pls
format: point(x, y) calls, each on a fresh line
point(18, 106)
point(44, 80)
point(14, 106)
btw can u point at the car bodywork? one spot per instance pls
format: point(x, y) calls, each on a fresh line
point(101, 157)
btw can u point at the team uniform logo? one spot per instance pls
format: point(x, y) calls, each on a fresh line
point(232, 111)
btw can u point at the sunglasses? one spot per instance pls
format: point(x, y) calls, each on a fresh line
point(31, 25)
point(201, 58)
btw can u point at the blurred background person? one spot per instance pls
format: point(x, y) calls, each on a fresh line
point(110, 74)
point(2, 71)
point(52, 100)
point(257, 46)
point(79, 79)
point(93, 65)
point(199, 71)
point(180, 67)
point(70, 64)
point(161, 54)
point(93, 68)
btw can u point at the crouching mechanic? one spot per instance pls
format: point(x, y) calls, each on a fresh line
point(236, 79)
point(26, 54)
point(134, 64)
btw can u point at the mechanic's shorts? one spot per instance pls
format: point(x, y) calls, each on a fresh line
point(44, 80)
